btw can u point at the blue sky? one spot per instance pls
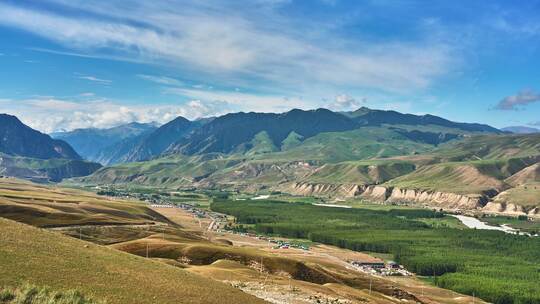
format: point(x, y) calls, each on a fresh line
point(68, 64)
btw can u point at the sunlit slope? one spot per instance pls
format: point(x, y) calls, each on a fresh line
point(475, 165)
point(491, 147)
point(530, 174)
point(47, 206)
point(363, 143)
point(361, 172)
point(45, 258)
point(261, 162)
point(472, 165)
point(170, 171)
point(462, 177)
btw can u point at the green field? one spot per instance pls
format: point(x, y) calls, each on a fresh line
point(497, 267)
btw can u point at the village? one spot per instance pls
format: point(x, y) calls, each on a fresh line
point(221, 223)
point(381, 268)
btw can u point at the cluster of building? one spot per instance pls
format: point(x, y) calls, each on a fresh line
point(279, 244)
point(286, 245)
point(390, 268)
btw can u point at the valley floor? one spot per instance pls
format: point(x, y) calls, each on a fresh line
point(331, 257)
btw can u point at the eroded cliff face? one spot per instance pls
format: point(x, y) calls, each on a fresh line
point(437, 199)
point(495, 207)
point(390, 194)
point(326, 190)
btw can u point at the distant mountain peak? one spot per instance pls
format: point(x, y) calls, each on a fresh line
point(521, 130)
point(18, 139)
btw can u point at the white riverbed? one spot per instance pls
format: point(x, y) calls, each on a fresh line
point(261, 197)
point(332, 205)
point(475, 223)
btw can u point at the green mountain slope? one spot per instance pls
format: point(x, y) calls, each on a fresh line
point(491, 147)
point(371, 117)
point(466, 172)
point(363, 143)
point(233, 133)
point(227, 133)
point(360, 172)
point(260, 144)
point(260, 163)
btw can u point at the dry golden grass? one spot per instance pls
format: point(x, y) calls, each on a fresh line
point(45, 258)
point(232, 263)
point(48, 206)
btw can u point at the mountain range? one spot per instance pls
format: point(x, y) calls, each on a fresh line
point(375, 154)
point(27, 153)
point(370, 154)
point(256, 133)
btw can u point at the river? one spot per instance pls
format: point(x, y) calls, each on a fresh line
point(475, 223)
point(333, 206)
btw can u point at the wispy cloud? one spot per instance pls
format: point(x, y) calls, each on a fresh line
point(521, 99)
point(161, 80)
point(213, 39)
point(95, 79)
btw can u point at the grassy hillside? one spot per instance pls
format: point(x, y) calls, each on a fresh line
point(357, 144)
point(530, 174)
point(462, 177)
point(476, 165)
point(360, 172)
point(491, 147)
point(170, 171)
point(45, 206)
point(261, 163)
point(526, 195)
point(45, 258)
point(29, 294)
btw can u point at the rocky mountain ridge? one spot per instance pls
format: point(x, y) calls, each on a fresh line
point(28, 153)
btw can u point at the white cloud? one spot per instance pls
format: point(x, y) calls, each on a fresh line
point(51, 114)
point(344, 102)
point(213, 39)
point(95, 79)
